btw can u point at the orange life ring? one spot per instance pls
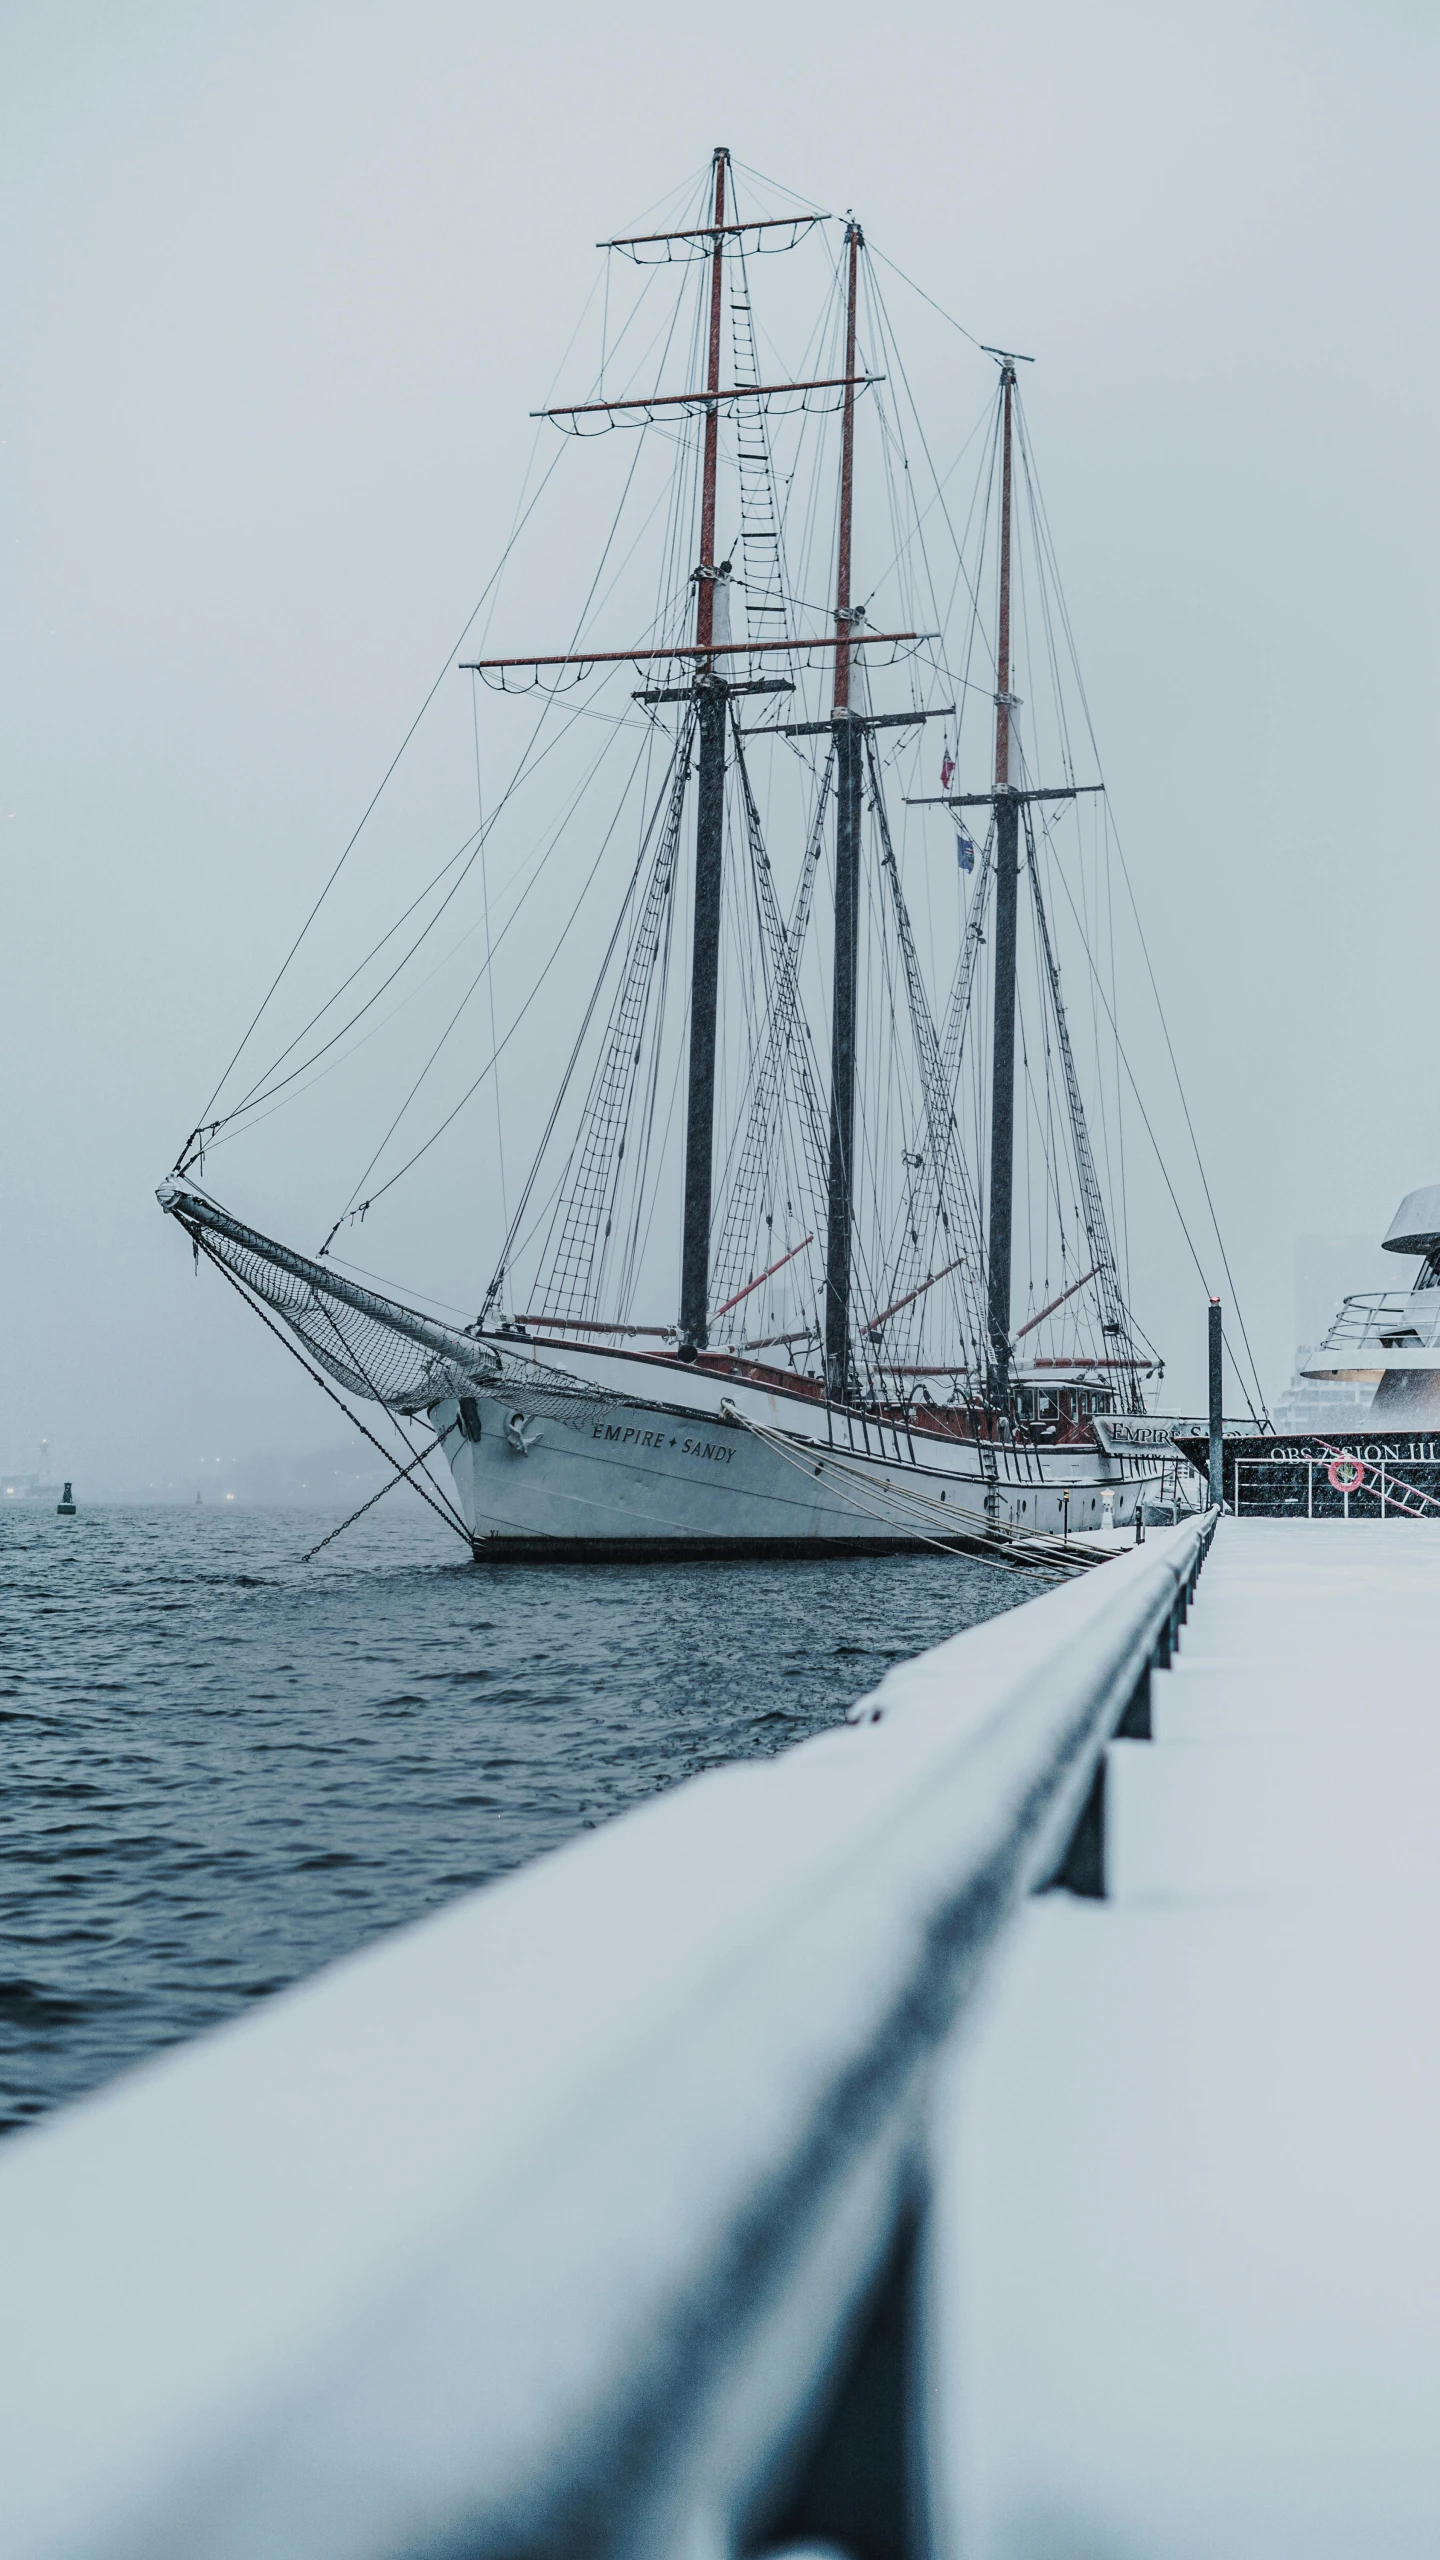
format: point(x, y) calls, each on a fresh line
point(1347, 1474)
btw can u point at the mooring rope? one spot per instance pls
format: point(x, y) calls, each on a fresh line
point(1005, 1547)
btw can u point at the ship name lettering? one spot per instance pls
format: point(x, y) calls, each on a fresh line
point(1375, 1452)
point(624, 1432)
point(713, 1449)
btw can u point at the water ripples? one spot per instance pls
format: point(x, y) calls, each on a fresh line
point(224, 1768)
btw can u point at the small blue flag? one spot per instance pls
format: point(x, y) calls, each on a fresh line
point(964, 850)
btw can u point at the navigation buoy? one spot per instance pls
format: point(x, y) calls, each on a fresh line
point(65, 1507)
point(1347, 1474)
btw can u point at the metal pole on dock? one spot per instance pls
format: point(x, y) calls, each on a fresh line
point(1217, 1408)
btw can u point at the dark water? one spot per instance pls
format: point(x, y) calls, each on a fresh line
point(223, 1767)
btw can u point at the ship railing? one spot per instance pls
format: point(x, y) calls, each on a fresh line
point(591, 2214)
point(1381, 1319)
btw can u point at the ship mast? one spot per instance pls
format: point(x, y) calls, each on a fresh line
point(849, 750)
point(1007, 888)
point(1008, 797)
point(712, 713)
point(703, 676)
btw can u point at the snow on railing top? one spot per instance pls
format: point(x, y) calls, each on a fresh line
point(541, 2225)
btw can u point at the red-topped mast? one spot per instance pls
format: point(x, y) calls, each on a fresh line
point(705, 583)
point(849, 771)
point(847, 483)
point(1002, 647)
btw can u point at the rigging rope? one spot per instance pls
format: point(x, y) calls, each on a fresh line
point(450, 657)
point(247, 1298)
point(351, 1209)
point(955, 1198)
point(1115, 1321)
point(569, 1269)
point(394, 1419)
point(1043, 530)
point(785, 1050)
point(205, 1128)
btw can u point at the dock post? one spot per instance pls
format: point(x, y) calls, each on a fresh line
point(1217, 1409)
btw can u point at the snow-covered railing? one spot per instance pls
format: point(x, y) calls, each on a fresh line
point(583, 2217)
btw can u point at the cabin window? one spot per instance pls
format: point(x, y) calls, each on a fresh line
point(1038, 1404)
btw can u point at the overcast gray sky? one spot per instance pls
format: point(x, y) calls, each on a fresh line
point(280, 289)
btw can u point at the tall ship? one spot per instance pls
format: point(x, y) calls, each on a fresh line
point(816, 1246)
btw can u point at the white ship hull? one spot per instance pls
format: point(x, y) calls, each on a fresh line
point(651, 1457)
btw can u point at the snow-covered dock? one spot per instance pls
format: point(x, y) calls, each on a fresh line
point(1197, 2288)
point(588, 2217)
point(781, 2167)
